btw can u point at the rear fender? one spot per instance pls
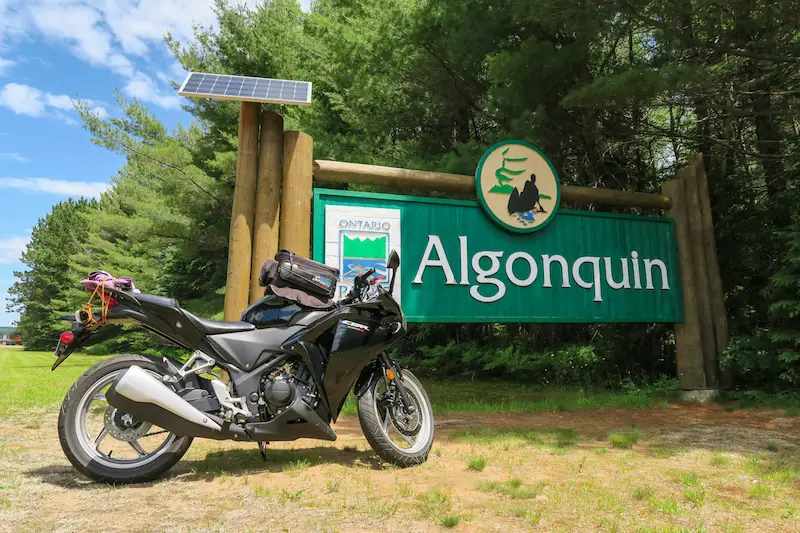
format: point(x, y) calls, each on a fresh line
point(64, 350)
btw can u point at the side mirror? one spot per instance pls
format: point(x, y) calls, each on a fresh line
point(392, 264)
point(394, 260)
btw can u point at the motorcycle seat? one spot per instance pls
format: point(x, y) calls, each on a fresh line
point(214, 327)
point(208, 327)
point(152, 299)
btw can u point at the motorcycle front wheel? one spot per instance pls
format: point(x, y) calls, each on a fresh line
point(108, 445)
point(398, 436)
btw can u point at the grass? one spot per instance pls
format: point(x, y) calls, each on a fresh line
point(685, 484)
point(695, 496)
point(477, 464)
point(450, 520)
point(780, 467)
point(291, 496)
point(491, 396)
point(754, 399)
point(719, 461)
point(668, 506)
point(27, 382)
point(22, 374)
point(641, 493)
point(689, 480)
point(434, 503)
point(532, 516)
point(555, 438)
point(513, 488)
point(261, 491)
point(297, 465)
point(449, 396)
point(664, 452)
point(624, 439)
point(759, 491)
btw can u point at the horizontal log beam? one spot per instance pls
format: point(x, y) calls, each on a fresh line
point(590, 195)
point(402, 178)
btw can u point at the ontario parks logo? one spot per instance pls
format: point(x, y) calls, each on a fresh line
point(517, 186)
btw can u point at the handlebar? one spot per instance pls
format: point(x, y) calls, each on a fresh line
point(361, 278)
point(359, 283)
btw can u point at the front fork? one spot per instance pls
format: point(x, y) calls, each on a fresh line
point(394, 375)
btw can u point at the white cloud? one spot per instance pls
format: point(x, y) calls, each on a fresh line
point(112, 33)
point(27, 100)
point(64, 188)
point(5, 65)
point(11, 248)
point(109, 34)
point(143, 87)
point(81, 27)
point(13, 156)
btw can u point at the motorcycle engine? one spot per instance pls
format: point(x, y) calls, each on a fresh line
point(282, 385)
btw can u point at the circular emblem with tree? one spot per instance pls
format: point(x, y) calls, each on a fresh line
point(517, 186)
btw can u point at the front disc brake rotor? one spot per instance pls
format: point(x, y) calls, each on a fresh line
point(407, 424)
point(123, 426)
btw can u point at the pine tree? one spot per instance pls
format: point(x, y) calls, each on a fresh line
point(784, 289)
point(47, 289)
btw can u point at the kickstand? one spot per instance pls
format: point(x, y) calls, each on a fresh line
point(262, 448)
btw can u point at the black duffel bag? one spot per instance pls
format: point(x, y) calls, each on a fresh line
point(291, 270)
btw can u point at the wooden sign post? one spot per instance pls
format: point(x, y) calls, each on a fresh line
point(297, 193)
point(268, 197)
point(240, 246)
point(272, 209)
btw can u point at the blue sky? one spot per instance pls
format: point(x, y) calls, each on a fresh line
point(55, 51)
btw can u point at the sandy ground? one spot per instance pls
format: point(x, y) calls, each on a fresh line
point(694, 468)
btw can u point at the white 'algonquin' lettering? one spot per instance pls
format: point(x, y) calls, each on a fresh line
point(585, 271)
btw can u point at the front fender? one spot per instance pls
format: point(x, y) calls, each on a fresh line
point(372, 371)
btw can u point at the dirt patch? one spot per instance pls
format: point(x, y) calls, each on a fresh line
point(703, 481)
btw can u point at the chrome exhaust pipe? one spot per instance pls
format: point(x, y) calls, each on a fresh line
point(138, 386)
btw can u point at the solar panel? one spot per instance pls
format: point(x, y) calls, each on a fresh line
point(244, 88)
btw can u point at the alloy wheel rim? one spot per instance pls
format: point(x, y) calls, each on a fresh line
point(111, 438)
point(402, 442)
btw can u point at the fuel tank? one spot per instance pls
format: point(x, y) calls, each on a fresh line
point(273, 310)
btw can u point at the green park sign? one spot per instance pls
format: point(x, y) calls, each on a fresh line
point(457, 265)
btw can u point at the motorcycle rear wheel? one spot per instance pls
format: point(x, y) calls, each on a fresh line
point(397, 437)
point(84, 414)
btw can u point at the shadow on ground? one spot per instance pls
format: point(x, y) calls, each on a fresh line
point(218, 463)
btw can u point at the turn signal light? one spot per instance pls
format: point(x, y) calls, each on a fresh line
point(67, 337)
point(390, 374)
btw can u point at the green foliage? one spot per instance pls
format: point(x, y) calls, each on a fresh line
point(619, 96)
point(784, 292)
point(570, 364)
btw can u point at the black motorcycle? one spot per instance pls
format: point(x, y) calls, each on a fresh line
point(290, 366)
